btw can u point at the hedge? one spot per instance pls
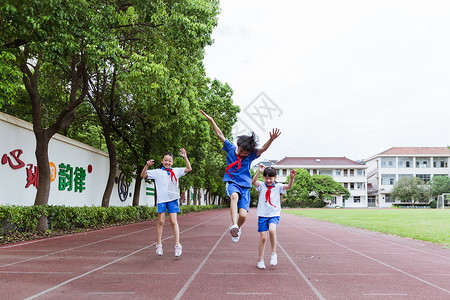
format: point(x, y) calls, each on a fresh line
point(15, 219)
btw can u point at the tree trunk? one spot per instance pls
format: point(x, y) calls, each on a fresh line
point(112, 169)
point(43, 190)
point(188, 201)
point(137, 190)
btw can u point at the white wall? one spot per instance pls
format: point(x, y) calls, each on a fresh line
point(15, 134)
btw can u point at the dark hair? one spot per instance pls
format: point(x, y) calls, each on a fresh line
point(168, 153)
point(269, 172)
point(248, 142)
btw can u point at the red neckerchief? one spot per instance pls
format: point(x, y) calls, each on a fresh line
point(171, 173)
point(238, 161)
point(268, 194)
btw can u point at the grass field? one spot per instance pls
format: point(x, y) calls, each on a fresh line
point(432, 225)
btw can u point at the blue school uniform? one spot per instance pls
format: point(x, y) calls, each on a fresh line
point(237, 175)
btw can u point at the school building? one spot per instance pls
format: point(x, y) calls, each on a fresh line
point(386, 168)
point(351, 174)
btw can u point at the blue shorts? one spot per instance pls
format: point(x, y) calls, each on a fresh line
point(172, 207)
point(263, 223)
point(244, 194)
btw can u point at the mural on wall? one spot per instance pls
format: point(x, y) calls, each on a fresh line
point(69, 179)
point(123, 187)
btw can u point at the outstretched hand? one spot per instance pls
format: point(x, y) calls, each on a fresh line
point(183, 153)
point(150, 162)
point(261, 168)
point(293, 173)
point(206, 115)
point(274, 134)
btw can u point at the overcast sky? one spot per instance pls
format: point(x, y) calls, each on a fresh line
point(339, 78)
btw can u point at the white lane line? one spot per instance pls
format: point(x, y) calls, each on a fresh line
point(343, 228)
point(316, 291)
point(112, 293)
point(64, 236)
point(74, 248)
point(374, 259)
point(110, 263)
point(249, 293)
point(141, 273)
point(23, 272)
point(257, 274)
point(355, 274)
point(191, 279)
point(385, 294)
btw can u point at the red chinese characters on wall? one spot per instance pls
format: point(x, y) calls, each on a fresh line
point(32, 172)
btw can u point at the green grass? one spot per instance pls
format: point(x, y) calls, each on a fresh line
point(432, 225)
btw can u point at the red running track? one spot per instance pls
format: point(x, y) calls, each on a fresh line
point(316, 260)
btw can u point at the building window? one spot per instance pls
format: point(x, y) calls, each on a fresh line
point(423, 162)
point(440, 162)
point(359, 172)
point(284, 172)
point(352, 186)
point(388, 162)
point(359, 185)
point(387, 179)
point(388, 199)
point(338, 172)
point(400, 176)
point(356, 199)
point(424, 177)
point(352, 172)
point(346, 185)
point(405, 162)
point(333, 201)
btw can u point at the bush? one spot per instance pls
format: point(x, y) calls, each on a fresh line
point(304, 203)
point(19, 219)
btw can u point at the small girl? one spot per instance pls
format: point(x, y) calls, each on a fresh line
point(166, 180)
point(269, 209)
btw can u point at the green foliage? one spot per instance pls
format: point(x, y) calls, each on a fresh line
point(431, 225)
point(411, 190)
point(312, 190)
point(15, 219)
point(440, 185)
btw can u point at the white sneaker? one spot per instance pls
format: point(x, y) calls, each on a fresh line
point(236, 239)
point(273, 259)
point(159, 250)
point(261, 264)
point(178, 250)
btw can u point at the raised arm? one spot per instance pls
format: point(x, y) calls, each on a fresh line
point(255, 178)
point(215, 127)
point(144, 170)
point(188, 164)
point(291, 180)
point(272, 136)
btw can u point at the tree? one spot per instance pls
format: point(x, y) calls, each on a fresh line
point(440, 185)
point(65, 36)
point(313, 191)
point(325, 188)
point(411, 190)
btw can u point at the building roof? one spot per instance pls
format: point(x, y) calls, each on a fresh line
point(266, 163)
point(416, 151)
point(317, 161)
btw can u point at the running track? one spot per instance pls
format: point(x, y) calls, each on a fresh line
point(316, 260)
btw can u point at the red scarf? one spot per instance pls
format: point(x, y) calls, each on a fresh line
point(238, 161)
point(171, 173)
point(268, 194)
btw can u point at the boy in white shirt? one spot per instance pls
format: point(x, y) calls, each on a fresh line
point(269, 209)
point(166, 180)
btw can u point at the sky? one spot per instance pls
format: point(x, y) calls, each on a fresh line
point(339, 78)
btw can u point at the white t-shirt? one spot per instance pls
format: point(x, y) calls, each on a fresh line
point(166, 188)
point(271, 208)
